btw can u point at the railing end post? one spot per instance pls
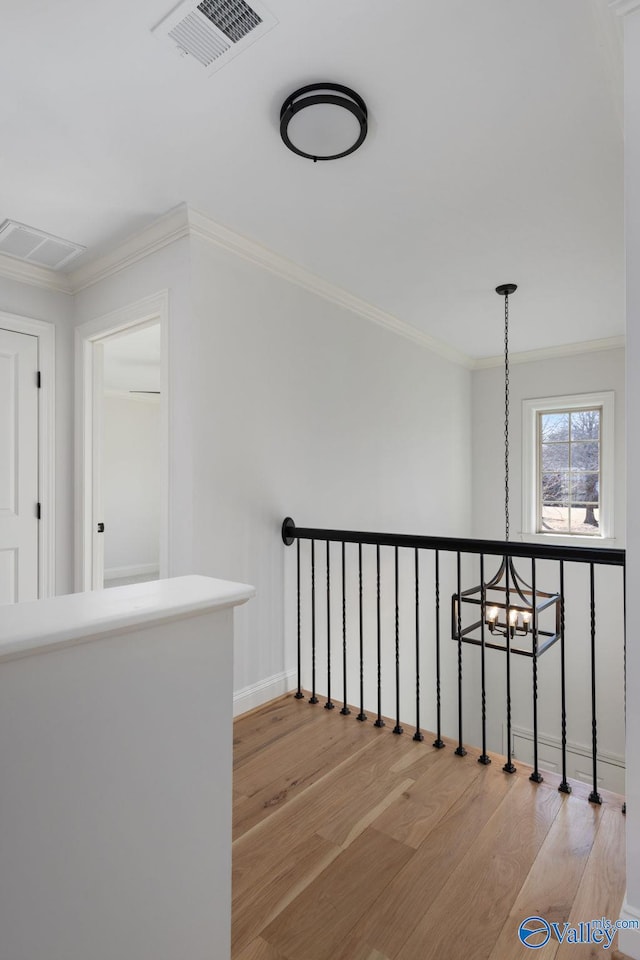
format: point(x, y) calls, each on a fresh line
point(288, 526)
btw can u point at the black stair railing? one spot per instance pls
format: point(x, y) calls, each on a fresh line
point(426, 626)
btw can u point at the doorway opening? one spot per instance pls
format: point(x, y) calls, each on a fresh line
point(128, 455)
point(123, 447)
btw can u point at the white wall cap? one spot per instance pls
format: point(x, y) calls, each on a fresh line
point(43, 625)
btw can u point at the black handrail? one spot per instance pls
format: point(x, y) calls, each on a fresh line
point(496, 548)
point(455, 546)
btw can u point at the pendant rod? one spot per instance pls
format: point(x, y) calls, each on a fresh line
point(505, 290)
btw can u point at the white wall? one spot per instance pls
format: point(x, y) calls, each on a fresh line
point(562, 376)
point(57, 308)
point(630, 942)
point(557, 377)
point(303, 408)
point(131, 485)
point(116, 754)
point(282, 403)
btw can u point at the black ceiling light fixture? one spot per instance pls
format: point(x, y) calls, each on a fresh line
point(323, 121)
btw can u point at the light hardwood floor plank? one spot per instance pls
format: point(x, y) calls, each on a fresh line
point(254, 730)
point(259, 903)
point(468, 912)
point(602, 886)
point(361, 845)
point(318, 921)
point(336, 807)
point(259, 950)
point(412, 817)
point(288, 768)
point(552, 882)
point(389, 921)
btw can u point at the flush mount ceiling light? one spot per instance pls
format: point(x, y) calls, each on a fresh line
point(323, 121)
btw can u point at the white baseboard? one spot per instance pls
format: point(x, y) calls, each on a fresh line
point(137, 570)
point(261, 692)
point(611, 766)
point(629, 940)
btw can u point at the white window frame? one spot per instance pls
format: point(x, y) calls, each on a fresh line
point(530, 465)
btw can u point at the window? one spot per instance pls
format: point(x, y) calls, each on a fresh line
point(568, 466)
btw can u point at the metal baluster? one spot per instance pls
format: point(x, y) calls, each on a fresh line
point(313, 698)
point(508, 766)
point(564, 785)
point(362, 715)
point(536, 776)
point(397, 729)
point(329, 705)
point(460, 750)
point(594, 796)
point(438, 742)
point(417, 735)
point(299, 694)
point(379, 722)
point(483, 758)
point(345, 709)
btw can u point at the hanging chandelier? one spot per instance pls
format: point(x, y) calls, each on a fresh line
point(515, 616)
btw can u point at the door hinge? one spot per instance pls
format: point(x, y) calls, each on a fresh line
point(38, 511)
point(38, 380)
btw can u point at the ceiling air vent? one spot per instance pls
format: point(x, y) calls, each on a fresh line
point(210, 33)
point(33, 246)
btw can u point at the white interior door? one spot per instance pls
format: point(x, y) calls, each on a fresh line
point(97, 545)
point(18, 467)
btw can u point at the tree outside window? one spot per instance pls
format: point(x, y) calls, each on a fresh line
point(569, 471)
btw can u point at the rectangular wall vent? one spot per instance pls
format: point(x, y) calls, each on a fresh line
point(212, 32)
point(34, 246)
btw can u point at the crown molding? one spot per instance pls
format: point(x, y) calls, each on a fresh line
point(623, 7)
point(30, 273)
point(168, 228)
point(551, 353)
point(207, 229)
point(182, 221)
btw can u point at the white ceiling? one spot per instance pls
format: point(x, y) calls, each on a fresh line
point(494, 152)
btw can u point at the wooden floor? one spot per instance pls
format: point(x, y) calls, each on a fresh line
point(351, 843)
